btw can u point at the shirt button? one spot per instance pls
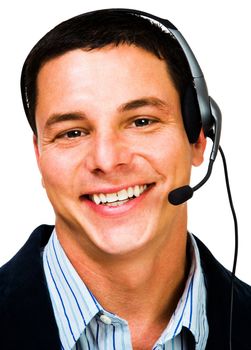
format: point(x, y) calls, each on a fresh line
point(105, 319)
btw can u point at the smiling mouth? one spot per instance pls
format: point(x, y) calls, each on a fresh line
point(118, 198)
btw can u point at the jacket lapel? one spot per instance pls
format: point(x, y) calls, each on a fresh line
point(28, 322)
point(218, 284)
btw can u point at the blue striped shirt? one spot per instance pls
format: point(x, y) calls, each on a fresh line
point(83, 323)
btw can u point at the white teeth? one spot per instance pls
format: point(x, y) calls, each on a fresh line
point(118, 203)
point(136, 191)
point(130, 192)
point(96, 199)
point(111, 197)
point(122, 195)
point(102, 197)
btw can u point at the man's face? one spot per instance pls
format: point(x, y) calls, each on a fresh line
point(110, 127)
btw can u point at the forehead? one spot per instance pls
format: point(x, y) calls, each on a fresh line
point(112, 75)
point(119, 58)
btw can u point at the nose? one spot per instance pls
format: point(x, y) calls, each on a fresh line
point(108, 153)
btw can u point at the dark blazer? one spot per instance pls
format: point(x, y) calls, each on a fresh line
point(26, 316)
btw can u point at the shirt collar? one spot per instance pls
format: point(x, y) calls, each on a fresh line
point(73, 303)
point(75, 306)
point(191, 308)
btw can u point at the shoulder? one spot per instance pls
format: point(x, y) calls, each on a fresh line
point(29, 251)
point(24, 270)
point(24, 299)
point(215, 272)
point(218, 282)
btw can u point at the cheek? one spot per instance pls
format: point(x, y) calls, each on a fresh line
point(57, 171)
point(168, 151)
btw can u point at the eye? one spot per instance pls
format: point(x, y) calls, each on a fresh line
point(73, 134)
point(143, 122)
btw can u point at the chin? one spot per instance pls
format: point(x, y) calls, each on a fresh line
point(119, 249)
point(117, 240)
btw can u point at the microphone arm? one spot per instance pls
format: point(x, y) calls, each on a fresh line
point(182, 194)
point(207, 176)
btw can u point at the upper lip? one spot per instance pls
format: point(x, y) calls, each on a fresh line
point(115, 189)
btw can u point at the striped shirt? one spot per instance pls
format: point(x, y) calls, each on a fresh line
point(84, 324)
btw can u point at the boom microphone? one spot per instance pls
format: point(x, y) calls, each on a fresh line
point(182, 194)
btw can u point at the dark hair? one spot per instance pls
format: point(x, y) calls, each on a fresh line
point(96, 30)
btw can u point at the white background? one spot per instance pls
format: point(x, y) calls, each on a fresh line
point(219, 34)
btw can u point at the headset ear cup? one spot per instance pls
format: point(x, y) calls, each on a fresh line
point(191, 113)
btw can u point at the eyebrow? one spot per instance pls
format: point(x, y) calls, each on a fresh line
point(143, 102)
point(64, 117)
point(125, 107)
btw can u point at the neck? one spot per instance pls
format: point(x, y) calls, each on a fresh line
point(130, 285)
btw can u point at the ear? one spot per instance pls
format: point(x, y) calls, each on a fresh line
point(37, 153)
point(36, 148)
point(198, 149)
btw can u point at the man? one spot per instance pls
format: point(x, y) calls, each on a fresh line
point(104, 94)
